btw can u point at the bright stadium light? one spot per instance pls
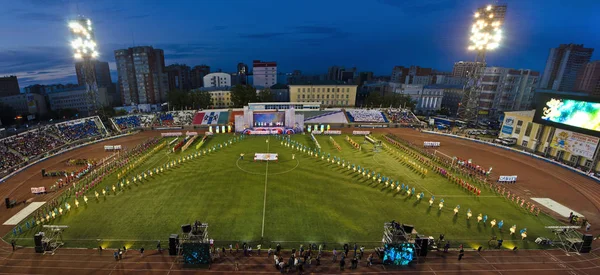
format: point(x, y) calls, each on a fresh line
point(487, 28)
point(82, 41)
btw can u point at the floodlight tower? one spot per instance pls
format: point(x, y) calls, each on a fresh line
point(486, 34)
point(85, 50)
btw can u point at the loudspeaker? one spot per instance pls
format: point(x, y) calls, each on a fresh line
point(39, 249)
point(37, 239)
point(173, 242)
point(7, 202)
point(587, 239)
point(43, 172)
point(423, 247)
point(186, 228)
point(408, 228)
point(585, 249)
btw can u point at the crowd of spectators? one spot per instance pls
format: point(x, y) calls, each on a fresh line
point(165, 119)
point(183, 117)
point(127, 122)
point(8, 159)
point(401, 116)
point(33, 143)
point(84, 128)
point(365, 115)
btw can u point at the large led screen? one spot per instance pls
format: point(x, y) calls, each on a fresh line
point(578, 114)
point(269, 119)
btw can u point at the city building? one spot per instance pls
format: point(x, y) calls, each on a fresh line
point(23, 104)
point(540, 139)
point(264, 73)
point(281, 93)
point(450, 80)
point(242, 73)
point(505, 89)
point(329, 93)
point(77, 98)
point(589, 79)
point(101, 71)
point(463, 68)
point(197, 75)
point(412, 75)
point(399, 74)
point(142, 77)
point(563, 66)
point(9, 85)
point(217, 80)
point(452, 97)
point(219, 96)
point(428, 98)
point(178, 76)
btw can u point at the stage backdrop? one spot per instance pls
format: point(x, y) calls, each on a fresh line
point(269, 118)
point(575, 143)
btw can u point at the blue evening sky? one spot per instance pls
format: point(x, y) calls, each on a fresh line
point(309, 35)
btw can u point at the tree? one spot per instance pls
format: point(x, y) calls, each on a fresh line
point(265, 95)
point(200, 100)
point(241, 95)
point(7, 114)
point(177, 99)
point(120, 112)
point(374, 99)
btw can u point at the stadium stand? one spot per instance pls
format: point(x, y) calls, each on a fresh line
point(402, 116)
point(311, 114)
point(183, 117)
point(329, 117)
point(79, 129)
point(8, 159)
point(363, 115)
point(33, 143)
point(223, 118)
point(198, 118)
point(164, 120)
point(127, 122)
point(146, 120)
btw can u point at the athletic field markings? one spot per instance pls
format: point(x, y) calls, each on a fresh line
point(409, 175)
point(237, 163)
point(262, 234)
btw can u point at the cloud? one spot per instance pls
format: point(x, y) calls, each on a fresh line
point(263, 35)
point(37, 64)
point(305, 32)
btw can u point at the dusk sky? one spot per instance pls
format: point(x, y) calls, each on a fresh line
point(309, 35)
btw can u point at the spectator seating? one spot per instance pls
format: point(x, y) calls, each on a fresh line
point(127, 122)
point(365, 115)
point(33, 143)
point(79, 129)
point(329, 117)
point(401, 116)
point(8, 159)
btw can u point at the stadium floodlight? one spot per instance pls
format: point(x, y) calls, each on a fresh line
point(83, 43)
point(85, 50)
point(485, 35)
point(486, 31)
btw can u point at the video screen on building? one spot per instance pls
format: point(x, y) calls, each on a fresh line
point(269, 119)
point(575, 113)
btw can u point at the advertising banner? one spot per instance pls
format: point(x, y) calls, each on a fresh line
point(575, 143)
point(507, 179)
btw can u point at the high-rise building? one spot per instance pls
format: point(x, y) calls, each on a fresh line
point(197, 75)
point(242, 74)
point(463, 68)
point(336, 73)
point(589, 78)
point(24, 104)
point(505, 89)
point(179, 77)
point(77, 98)
point(142, 79)
point(264, 73)
point(563, 66)
point(101, 70)
point(217, 80)
point(9, 85)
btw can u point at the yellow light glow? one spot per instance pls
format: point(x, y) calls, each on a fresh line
point(489, 7)
point(476, 14)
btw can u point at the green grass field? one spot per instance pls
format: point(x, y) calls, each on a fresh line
point(291, 201)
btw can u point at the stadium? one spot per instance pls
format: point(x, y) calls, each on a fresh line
point(287, 177)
